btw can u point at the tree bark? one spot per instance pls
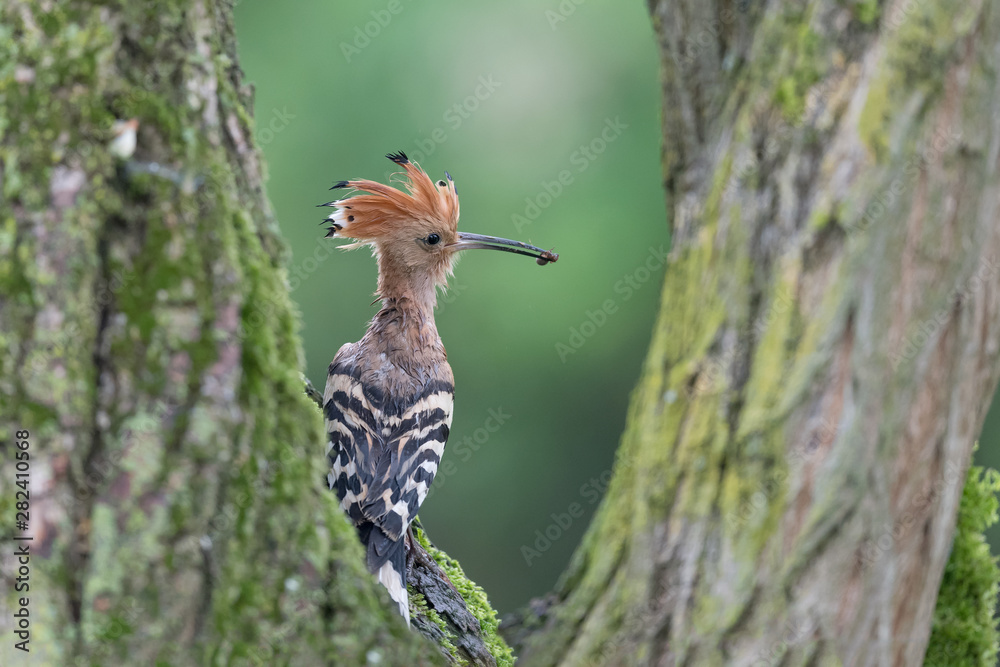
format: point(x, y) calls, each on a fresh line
point(151, 362)
point(826, 348)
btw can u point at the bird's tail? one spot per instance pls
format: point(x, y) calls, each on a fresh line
point(386, 558)
point(389, 577)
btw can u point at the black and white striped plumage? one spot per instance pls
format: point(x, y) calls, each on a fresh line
point(388, 399)
point(384, 449)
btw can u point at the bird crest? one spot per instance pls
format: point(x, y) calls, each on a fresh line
point(385, 211)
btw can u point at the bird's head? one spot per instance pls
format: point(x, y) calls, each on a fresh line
point(414, 232)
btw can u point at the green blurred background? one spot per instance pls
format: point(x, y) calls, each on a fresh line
point(508, 97)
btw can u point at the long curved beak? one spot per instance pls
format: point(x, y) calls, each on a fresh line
point(468, 241)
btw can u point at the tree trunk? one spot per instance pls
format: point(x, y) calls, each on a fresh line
point(827, 345)
point(151, 372)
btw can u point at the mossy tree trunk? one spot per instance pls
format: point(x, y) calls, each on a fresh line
point(150, 359)
point(827, 345)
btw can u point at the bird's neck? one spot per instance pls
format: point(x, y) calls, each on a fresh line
point(407, 313)
point(403, 334)
point(418, 296)
point(406, 287)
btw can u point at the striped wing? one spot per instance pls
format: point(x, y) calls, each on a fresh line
point(354, 439)
point(384, 454)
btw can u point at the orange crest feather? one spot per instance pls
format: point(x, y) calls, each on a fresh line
point(386, 210)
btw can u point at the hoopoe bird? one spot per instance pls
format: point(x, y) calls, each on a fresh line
point(389, 397)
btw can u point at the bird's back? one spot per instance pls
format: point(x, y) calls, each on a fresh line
point(388, 414)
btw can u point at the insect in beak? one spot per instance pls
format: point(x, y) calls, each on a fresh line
point(468, 241)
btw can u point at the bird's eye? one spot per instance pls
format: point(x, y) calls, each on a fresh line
point(433, 239)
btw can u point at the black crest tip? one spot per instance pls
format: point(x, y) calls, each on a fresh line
point(338, 185)
point(449, 176)
point(398, 158)
point(329, 203)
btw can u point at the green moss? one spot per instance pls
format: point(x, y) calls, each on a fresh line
point(475, 598)
point(921, 41)
point(803, 63)
point(822, 214)
point(866, 11)
point(964, 633)
point(419, 602)
point(874, 115)
point(779, 333)
point(926, 35)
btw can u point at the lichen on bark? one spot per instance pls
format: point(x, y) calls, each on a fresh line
point(829, 194)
